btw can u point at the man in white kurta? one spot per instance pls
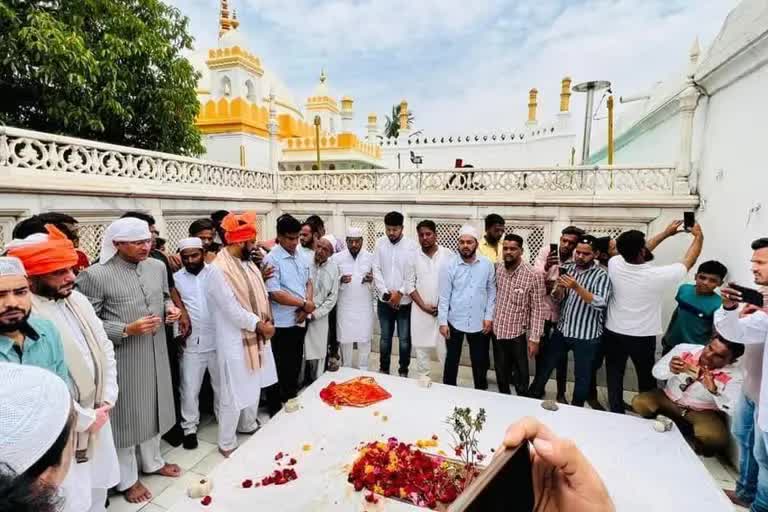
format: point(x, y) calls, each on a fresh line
point(354, 309)
point(240, 383)
point(324, 274)
point(199, 352)
point(423, 285)
point(90, 358)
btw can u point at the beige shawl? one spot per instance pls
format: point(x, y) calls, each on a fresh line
point(88, 389)
point(248, 287)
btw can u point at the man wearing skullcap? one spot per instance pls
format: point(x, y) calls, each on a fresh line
point(465, 308)
point(239, 308)
point(26, 338)
point(354, 308)
point(90, 359)
point(325, 280)
point(199, 350)
point(36, 444)
point(129, 292)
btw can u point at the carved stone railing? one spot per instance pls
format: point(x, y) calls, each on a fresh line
point(656, 180)
point(37, 151)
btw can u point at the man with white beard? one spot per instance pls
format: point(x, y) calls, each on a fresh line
point(354, 309)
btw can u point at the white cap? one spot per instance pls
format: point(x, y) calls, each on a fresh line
point(34, 239)
point(11, 266)
point(128, 229)
point(353, 232)
point(190, 243)
point(331, 240)
point(467, 229)
point(34, 408)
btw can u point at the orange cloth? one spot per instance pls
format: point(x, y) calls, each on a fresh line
point(43, 258)
point(235, 231)
point(357, 392)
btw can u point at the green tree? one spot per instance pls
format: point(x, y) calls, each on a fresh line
point(392, 125)
point(109, 70)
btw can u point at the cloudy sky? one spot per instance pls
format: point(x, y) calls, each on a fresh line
point(465, 66)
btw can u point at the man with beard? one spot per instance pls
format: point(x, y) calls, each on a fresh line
point(466, 306)
point(424, 288)
point(634, 311)
point(325, 282)
point(239, 309)
point(26, 338)
point(354, 319)
point(199, 349)
point(583, 292)
point(291, 294)
point(129, 292)
point(307, 240)
point(206, 232)
point(392, 256)
point(490, 246)
point(547, 265)
point(519, 317)
point(49, 261)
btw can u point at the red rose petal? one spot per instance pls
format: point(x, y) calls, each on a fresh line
point(206, 501)
point(247, 483)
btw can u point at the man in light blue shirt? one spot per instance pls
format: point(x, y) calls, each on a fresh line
point(466, 306)
point(290, 291)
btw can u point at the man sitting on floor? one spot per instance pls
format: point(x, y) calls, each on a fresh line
point(702, 383)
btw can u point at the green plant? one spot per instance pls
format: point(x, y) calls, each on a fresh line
point(464, 430)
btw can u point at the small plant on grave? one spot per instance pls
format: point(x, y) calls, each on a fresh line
point(464, 430)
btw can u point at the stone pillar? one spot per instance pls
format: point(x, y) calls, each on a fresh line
point(347, 115)
point(274, 142)
point(373, 129)
point(564, 116)
point(687, 102)
point(404, 129)
point(532, 104)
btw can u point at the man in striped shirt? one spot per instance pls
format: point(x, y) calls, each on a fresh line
point(519, 319)
point(582, 291)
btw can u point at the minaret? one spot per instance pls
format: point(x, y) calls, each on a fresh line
point(373, 129)
point(532, 104)
point(225, 22)
point(404, 128)
point(347, 114)
point(564, 116)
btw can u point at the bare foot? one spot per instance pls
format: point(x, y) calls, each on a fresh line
point(227, 453)
point(735, 499)
point(170, 470)
point(137, 493)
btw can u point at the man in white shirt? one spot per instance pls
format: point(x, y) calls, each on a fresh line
point(702, 383)
point(749, 325)
point(424, 288)
point(634, 311)
point(199, 353)
point(391, 257)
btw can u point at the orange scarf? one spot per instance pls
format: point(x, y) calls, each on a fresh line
point(45, 257)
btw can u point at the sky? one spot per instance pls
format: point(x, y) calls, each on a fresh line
point(465, 66)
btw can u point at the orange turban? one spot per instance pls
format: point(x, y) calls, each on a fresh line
point(57, 253)
point(239, 228)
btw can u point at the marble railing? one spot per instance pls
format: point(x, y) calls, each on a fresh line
point(37, 151)
point(657, 180)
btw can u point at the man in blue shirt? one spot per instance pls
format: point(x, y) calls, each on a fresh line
point(696, 305)
point(466, 306)
point(290, 292)
point(25, 338)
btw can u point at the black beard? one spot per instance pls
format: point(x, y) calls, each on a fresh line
point(51, 293)
point(15, 326)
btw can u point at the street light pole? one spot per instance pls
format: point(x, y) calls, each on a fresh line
point(589, 88)
point(317, 140)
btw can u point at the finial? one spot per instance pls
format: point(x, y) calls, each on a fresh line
point(235, 22)
point(532, 103)
point(323, 76)
point(225, 23)
point(695, 50)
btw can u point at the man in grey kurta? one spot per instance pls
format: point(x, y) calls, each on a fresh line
point(129, 293)
point(325, 280)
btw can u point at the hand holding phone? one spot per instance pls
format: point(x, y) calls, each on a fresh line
point(689, 220)
point(737, 293)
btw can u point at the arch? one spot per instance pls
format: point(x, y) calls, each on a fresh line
point(298, 167)
point(250, 91)
point(226, 87)
point(332, 167)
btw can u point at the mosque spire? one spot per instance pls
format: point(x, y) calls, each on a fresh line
point(323, 76)
point(225, 22)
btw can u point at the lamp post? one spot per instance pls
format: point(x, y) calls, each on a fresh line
point(589, 88)
point(317, 140)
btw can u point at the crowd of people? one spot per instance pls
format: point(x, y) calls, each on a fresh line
point(264, 318)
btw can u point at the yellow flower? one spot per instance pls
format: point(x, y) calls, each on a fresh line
point(403, 494)
point(378, 489)
point(368, 469)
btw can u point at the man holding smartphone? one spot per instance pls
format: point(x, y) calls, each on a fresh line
point(748, 324)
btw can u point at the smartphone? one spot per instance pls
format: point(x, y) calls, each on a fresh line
point(689, 219)
point(563, 271)
point(749, 295)
point(505, 485)
point(552, 248)
point(386, 297)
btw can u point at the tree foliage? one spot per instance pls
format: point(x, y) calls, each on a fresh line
point(392, 125)
point(109, 70)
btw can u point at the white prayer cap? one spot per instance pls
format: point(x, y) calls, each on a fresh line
point(353, 232)
point(466, 229)
point(128, 229)
point(34, 408)
point(34, 239)
point(190, 243)
point(331, 240)
point(10, 266)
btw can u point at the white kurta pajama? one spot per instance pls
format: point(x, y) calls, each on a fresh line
point(325, 285)
point(355, 307)
point(423, 275)
point(199, 352)
point(86, 484)
point(240, 387)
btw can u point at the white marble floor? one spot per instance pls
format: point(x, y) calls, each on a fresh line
point(198, 463)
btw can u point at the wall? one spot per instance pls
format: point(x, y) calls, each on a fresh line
point(226, 148)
